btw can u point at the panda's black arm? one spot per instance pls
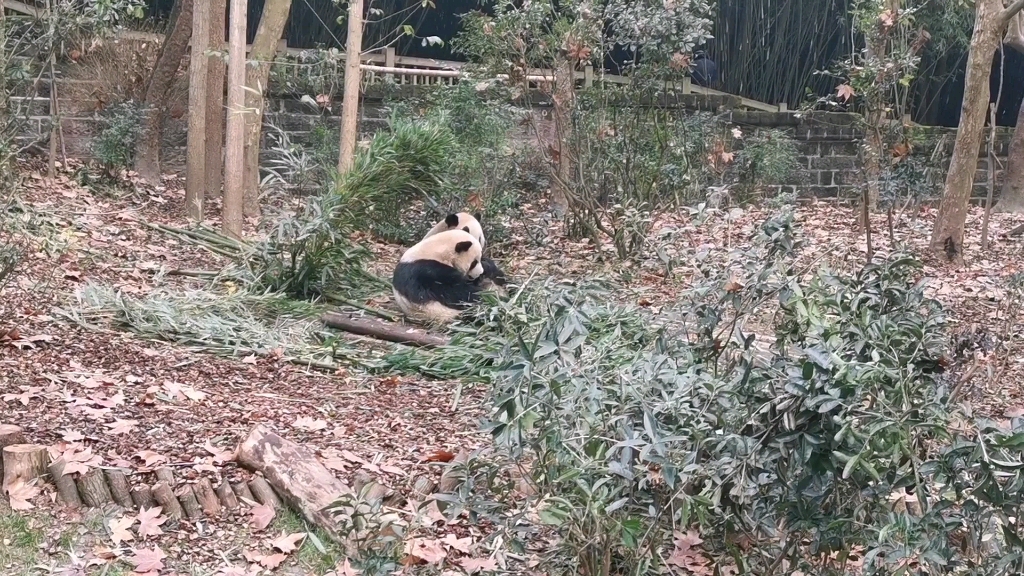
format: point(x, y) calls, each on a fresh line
point(425, 281)
point(492, 272)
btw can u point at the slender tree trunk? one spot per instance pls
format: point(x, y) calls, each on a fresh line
point(563, 100)
point(195, 160)
point(948, 235)
point(234, 178)
point(215, 99)
point(1011, 198)
point(350, 98)
point(147, 147)
point(264, 47)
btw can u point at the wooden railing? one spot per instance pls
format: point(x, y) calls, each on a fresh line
point(386, 65)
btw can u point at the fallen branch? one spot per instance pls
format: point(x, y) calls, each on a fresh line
point(1016, 231)
point(382, 330)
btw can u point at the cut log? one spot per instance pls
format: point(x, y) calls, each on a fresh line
point(1016, 231)
point(264, 493)
point(67, 491)
point(371, 490)
point(208, 500)
point(423, 486)
point(449, 478)
point(226, 495)
point(142, 496)
point(189, 502)
point(92, 486)
point(9, 434)
point(120, 489)
point(166, 475)
point(241, 489)
point(165, 497)
point(23, 463)
point(294, 471)
point(383, 330)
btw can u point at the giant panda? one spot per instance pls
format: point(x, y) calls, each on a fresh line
point(492, 276)
point(437, 279)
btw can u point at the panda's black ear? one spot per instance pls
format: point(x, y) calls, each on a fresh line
point(479, 217)
point(466, 229)
point(451, 220)
point(463, 247)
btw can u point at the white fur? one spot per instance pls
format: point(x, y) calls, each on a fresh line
point(440, 247)
point(466, 220)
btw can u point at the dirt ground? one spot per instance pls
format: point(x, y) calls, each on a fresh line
point(141, 404)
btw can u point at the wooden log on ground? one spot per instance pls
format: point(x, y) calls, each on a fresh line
point(208, 500)
point(226, 495)
point(142, 496)
point(423, 486)
point(165, 497)
point(120, 489)
point(294, 471)
point(9, 434)
point(67, 490)
point(92, 486)
point(383, 330)
point(371, 490)
point(189, 502)
point(264, 493)
point(1016, 231)
point(449, 479)
point(241, 489)
point(23, 463)
point(166, 475)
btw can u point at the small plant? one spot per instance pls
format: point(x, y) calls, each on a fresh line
point(114, 146)
point(767, 157)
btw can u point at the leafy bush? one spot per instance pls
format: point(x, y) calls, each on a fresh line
point(114, 146)
point(828, 449)
point(405, 164)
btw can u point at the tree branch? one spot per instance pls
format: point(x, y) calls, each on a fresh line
point(1011, 11)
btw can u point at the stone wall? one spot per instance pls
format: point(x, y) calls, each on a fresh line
point(829, 143)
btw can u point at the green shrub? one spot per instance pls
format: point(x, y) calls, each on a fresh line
point(114, 146)
point(768, 157)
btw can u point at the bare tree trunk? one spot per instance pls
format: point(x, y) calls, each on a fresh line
point(948, 234)
point(147, 147)
point(350, 99)
point(195, 160)
point(1011, 199)
point(563, 101)
point(264, 46)
point(1015, 33)
point(215, 100)
point(234, 178)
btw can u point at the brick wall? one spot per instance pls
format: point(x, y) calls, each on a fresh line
point(829, 143)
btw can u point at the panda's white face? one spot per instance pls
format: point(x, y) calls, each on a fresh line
point(456, 248)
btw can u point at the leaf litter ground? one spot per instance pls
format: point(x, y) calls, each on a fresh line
point(142, 403)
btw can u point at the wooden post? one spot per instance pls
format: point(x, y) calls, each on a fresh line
point(195, 160)
point(783, 107)
point(687, 85)
point(119, 488)
point(234, 155)
point(142, 496)
point(350, 100)
point(588, 76)
point(241, 489)
point(389, 61)
point(207, 497)
point(189, 502)
point(94, 490)
point(264, 493)
point(165, 497)
point(9, 434)
point(226, 495)
point(67, 491)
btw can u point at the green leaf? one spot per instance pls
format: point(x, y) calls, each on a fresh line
point(408, 30)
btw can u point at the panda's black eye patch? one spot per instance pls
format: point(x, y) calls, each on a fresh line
point(473, 265)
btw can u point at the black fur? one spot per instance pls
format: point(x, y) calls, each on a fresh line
point(423, 281)
point(451, 221)
point(492, 272)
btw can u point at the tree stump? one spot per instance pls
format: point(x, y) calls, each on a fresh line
point(241, 489)
point(142, 496)
point(264, 493)
point(189, 502)
point(23, 463)
point(94, 490)
point(9, 434)
point(165, 497)
point(294, 471)
point(67, 491)
point(227, 495)
point(119, 488)
point(207, 497)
